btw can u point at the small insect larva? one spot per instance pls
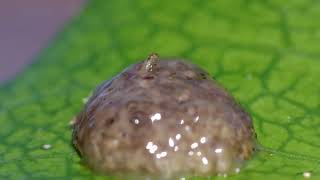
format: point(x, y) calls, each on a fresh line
point(166, 118)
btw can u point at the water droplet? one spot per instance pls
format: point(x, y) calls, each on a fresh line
point(46, 146)
point(306, 174)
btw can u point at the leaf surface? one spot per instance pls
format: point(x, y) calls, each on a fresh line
point(265, 52)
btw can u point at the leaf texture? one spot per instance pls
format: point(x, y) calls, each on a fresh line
point(265, 52)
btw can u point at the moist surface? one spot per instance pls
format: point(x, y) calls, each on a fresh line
point(166, 118)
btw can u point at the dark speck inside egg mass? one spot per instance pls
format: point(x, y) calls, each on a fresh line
point(164, 118)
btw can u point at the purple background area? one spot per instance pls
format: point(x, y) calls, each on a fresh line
point(26, 26)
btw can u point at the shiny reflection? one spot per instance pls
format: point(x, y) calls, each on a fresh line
point(161, 155)
point(204, 160)
point(196, 119)
point(190, 153)
point(306, 174)
point(203, 140)
point(187, 128)
point(176, 148)
point(171, 142)
point(218, 150)
point(182, 121)
point(199, 153)
point(178, 136)
point(156, 117)
point(151, 147)
point(136, 121)
point(194, 145)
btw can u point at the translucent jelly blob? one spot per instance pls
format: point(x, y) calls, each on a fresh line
point(167, 118)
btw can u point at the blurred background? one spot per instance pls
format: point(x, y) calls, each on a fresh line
point(26, 28)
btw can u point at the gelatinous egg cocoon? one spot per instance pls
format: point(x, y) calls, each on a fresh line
point(163, 117)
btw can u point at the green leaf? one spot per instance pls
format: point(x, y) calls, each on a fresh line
point(265, 52)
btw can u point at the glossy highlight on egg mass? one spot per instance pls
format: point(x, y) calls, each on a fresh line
point(165, 118)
